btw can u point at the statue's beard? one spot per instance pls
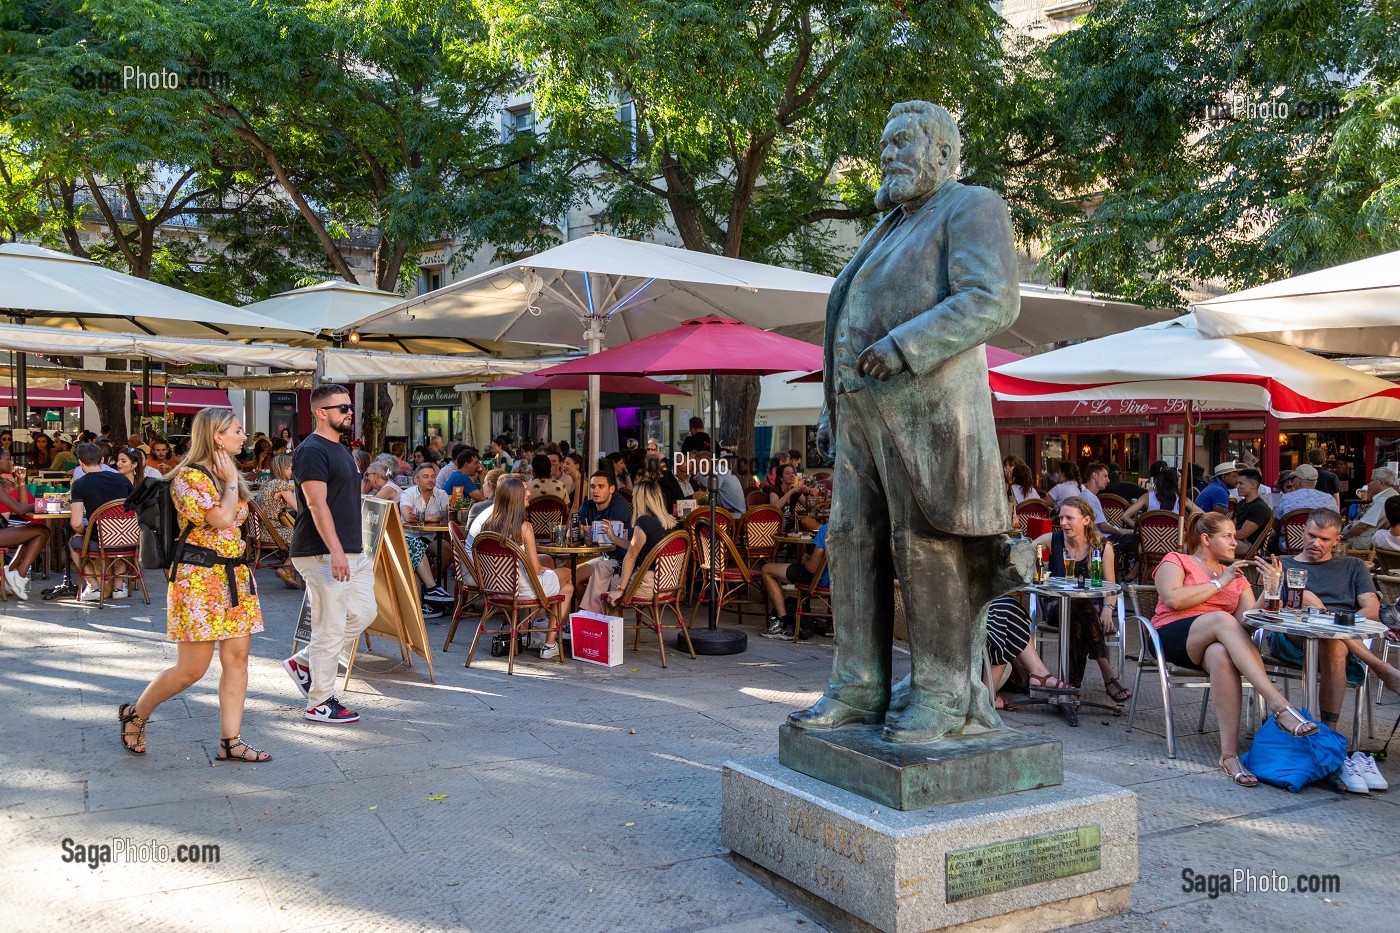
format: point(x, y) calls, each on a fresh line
point(899, 186)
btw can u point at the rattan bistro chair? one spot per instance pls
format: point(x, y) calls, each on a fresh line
point(499, 563)
point(666, 562)
point(546, 514)
point(1288, 535)
point(467, 590)
point(111, 549)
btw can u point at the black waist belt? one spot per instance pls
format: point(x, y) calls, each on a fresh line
point(197, 556)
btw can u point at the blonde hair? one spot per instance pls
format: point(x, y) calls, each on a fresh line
point(282, 466)
point(206, 424)
point(508, 513)
point(648, 500)
point(1087, 510)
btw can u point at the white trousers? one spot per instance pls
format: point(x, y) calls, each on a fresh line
point(339, 613)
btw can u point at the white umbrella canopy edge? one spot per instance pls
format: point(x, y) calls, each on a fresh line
point(1351, 308)
point(1174, 360)
point(50, 289)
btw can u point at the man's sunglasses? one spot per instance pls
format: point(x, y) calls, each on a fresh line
point(343, 409)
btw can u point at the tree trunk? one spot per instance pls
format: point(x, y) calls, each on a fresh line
point(111, 398)
point(374, 420)
point(737, 397)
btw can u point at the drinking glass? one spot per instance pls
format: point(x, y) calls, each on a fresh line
point(1069, 563)
point(1272, 600)
point(1297, 582)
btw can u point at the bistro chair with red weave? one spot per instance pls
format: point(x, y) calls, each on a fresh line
point(499, 563)
point(732, 573)
point(810, 595)
point(1288, 532)
point(666, 563)
point(1159, 534)
point(1113, 508)
point(756, 497)
point(761, 526)
point(467, 590)
point(698, 523)
point(1033, 516)
point(546, 514)
point(111, 549)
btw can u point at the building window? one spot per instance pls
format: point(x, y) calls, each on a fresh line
point(429, 280)
point(627, 116)
point(520, 121)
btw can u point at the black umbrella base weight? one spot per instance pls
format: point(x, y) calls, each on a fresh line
point(714, 641)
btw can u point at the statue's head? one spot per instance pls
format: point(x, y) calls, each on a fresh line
point(918, 151)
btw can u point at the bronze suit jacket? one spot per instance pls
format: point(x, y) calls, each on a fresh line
point(941, 280)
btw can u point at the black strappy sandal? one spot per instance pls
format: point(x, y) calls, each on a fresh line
point(226, 753)
point(126, 715)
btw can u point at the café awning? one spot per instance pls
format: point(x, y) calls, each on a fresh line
point(182, 400)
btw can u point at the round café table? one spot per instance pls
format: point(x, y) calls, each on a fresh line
point(67, 587)
point(1065, 591)
point(438, 531)
point(1312, 626)
point(574, 552)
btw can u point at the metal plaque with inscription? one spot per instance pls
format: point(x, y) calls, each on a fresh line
point(1002, 866)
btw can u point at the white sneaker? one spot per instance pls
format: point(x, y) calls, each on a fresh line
point(17, 584)
point(549, 652)
point(90, 594)
point(1352, 778)
point(1366, 766)
point(119, 592)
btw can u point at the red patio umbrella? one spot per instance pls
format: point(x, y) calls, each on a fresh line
point(718, 346)
point(628, 385)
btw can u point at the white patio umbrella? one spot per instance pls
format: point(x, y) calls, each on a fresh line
point(329, 310)
point(50, 289)
point(1352, 308)
point(616, 291)
point(1173, 360)
point(1050, 315)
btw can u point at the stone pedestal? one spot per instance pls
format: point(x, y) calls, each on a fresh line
point(911, 777)
point(1029, 861)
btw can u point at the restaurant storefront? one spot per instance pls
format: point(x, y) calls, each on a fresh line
point(48, 410)
point(434, 411)
point(282, 413)
point(172, 410)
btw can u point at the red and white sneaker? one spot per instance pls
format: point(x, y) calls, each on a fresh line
point(331, 711)
point(300, 674)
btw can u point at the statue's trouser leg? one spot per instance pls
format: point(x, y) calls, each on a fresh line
point(859, 559)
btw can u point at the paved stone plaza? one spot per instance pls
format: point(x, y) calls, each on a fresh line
point(564, 798)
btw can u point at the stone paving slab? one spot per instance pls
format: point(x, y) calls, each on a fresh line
point(567, 797)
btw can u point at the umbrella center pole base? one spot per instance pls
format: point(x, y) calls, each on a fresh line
point(715, 641)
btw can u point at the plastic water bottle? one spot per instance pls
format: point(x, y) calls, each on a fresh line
point(1096, 568)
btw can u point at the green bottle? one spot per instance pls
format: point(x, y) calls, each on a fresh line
point(1096, 568)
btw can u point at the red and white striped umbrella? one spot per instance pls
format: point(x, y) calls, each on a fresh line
point(1172, 360)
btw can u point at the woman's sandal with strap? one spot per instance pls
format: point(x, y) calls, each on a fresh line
point(226, 753)
point(1120, 694)
point(126, 716)
point(1305, 726)
point(1239, 775)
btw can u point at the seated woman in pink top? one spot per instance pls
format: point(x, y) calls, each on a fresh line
point(1203, 597)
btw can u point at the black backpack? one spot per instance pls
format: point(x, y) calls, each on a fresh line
point(161, 537)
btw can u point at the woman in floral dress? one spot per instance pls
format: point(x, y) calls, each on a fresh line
point(202, 611)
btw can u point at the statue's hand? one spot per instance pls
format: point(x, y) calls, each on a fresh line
point(881, 360)
point(826, 444)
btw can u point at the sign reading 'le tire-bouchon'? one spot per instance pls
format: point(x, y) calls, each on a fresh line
point(1002, 866)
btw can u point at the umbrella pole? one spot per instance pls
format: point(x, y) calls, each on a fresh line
point(714, 640)
point(1187, 457)
point(144, 412)
point(594, 334)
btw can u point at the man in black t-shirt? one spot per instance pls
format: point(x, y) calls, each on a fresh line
point(1327, 481)
point(1252, 513)
point(328, 552)
point(94, 489)
point(603, 507)
point(697, 440)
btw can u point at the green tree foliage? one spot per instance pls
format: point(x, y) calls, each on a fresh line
point(757, 123)
point(1230, 141)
